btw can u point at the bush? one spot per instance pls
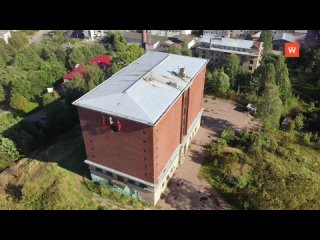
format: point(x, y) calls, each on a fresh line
point(299, 121)
point(307, 137)
point(48, 98)
point(228, 135)
point(19, 102)
point(8, 152)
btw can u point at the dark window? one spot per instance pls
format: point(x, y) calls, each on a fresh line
point(109, 174)
point(120, 179)
point(142, 185)
point(251, 61)
point(250, 68)
point(98, 169)
point(131, 181)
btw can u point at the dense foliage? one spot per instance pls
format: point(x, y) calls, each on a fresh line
point(255, 171)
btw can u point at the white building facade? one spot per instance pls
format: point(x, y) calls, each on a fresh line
point(218, 49)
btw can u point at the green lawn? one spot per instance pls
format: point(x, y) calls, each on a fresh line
point(32, 106)
point(56, 178)
point(308, 83)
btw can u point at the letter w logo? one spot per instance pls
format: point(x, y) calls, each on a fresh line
point(292, 50)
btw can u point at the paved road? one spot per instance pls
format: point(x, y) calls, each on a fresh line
point(37, 37)
point(186, 190)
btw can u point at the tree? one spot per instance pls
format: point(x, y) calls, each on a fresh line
point(76, 57)
point(18, 40)
point(2, 94)
point(264, 74)
point(175, 49)
point(282, 79)
point(232, 68)
point(93, 76)
point(97, 49)
point(185, 49)
point(28, 59)
point(266, 38)
point(48, 98)
point(75, 89)
point(221, 82)
point(19, 102)
point(271, 107)
point(270, 74)
point(316, 59)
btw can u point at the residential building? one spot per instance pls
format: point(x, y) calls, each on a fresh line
point(5, 35)
point(103, 62)
point(243, 34)
point(138, 124)
point(151, 42)
point(279, 40)
point(217, 49)
point(169, 33)
point(218, 33)
point(94, 34)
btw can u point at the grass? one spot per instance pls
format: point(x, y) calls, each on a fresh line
point(55, 178)
point(307, 83)
point(32, 107)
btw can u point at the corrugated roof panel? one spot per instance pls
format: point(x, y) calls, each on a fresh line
point(145, 89)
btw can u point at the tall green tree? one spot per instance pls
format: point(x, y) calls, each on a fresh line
point(266, 38)
point(232, 68)
point(93, 76)
point(28, 59)
point(76, 57)
point(18, 40)
point(220, 83)
point(185, 50)
point(271, 107)
point(282, 79)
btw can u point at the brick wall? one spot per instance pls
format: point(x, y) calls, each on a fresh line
point(128, 151)
point(196, 96)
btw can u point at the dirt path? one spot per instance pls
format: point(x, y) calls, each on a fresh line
point(186, 190)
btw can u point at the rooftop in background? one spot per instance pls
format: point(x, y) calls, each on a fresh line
point(145, 89)
point(229, 42)
point(284, 36)
point(103, 61)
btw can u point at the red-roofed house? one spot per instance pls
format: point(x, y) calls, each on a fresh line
point(104, 62)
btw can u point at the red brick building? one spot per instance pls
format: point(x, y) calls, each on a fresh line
point(137, 124)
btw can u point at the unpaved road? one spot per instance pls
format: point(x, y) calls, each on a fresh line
point(37, 37)
point(186, 190)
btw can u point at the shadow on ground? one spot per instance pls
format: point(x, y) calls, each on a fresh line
point(184, 196)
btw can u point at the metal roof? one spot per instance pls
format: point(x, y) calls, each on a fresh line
point(284, 36)
point(229, 42)
point(145, 89)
